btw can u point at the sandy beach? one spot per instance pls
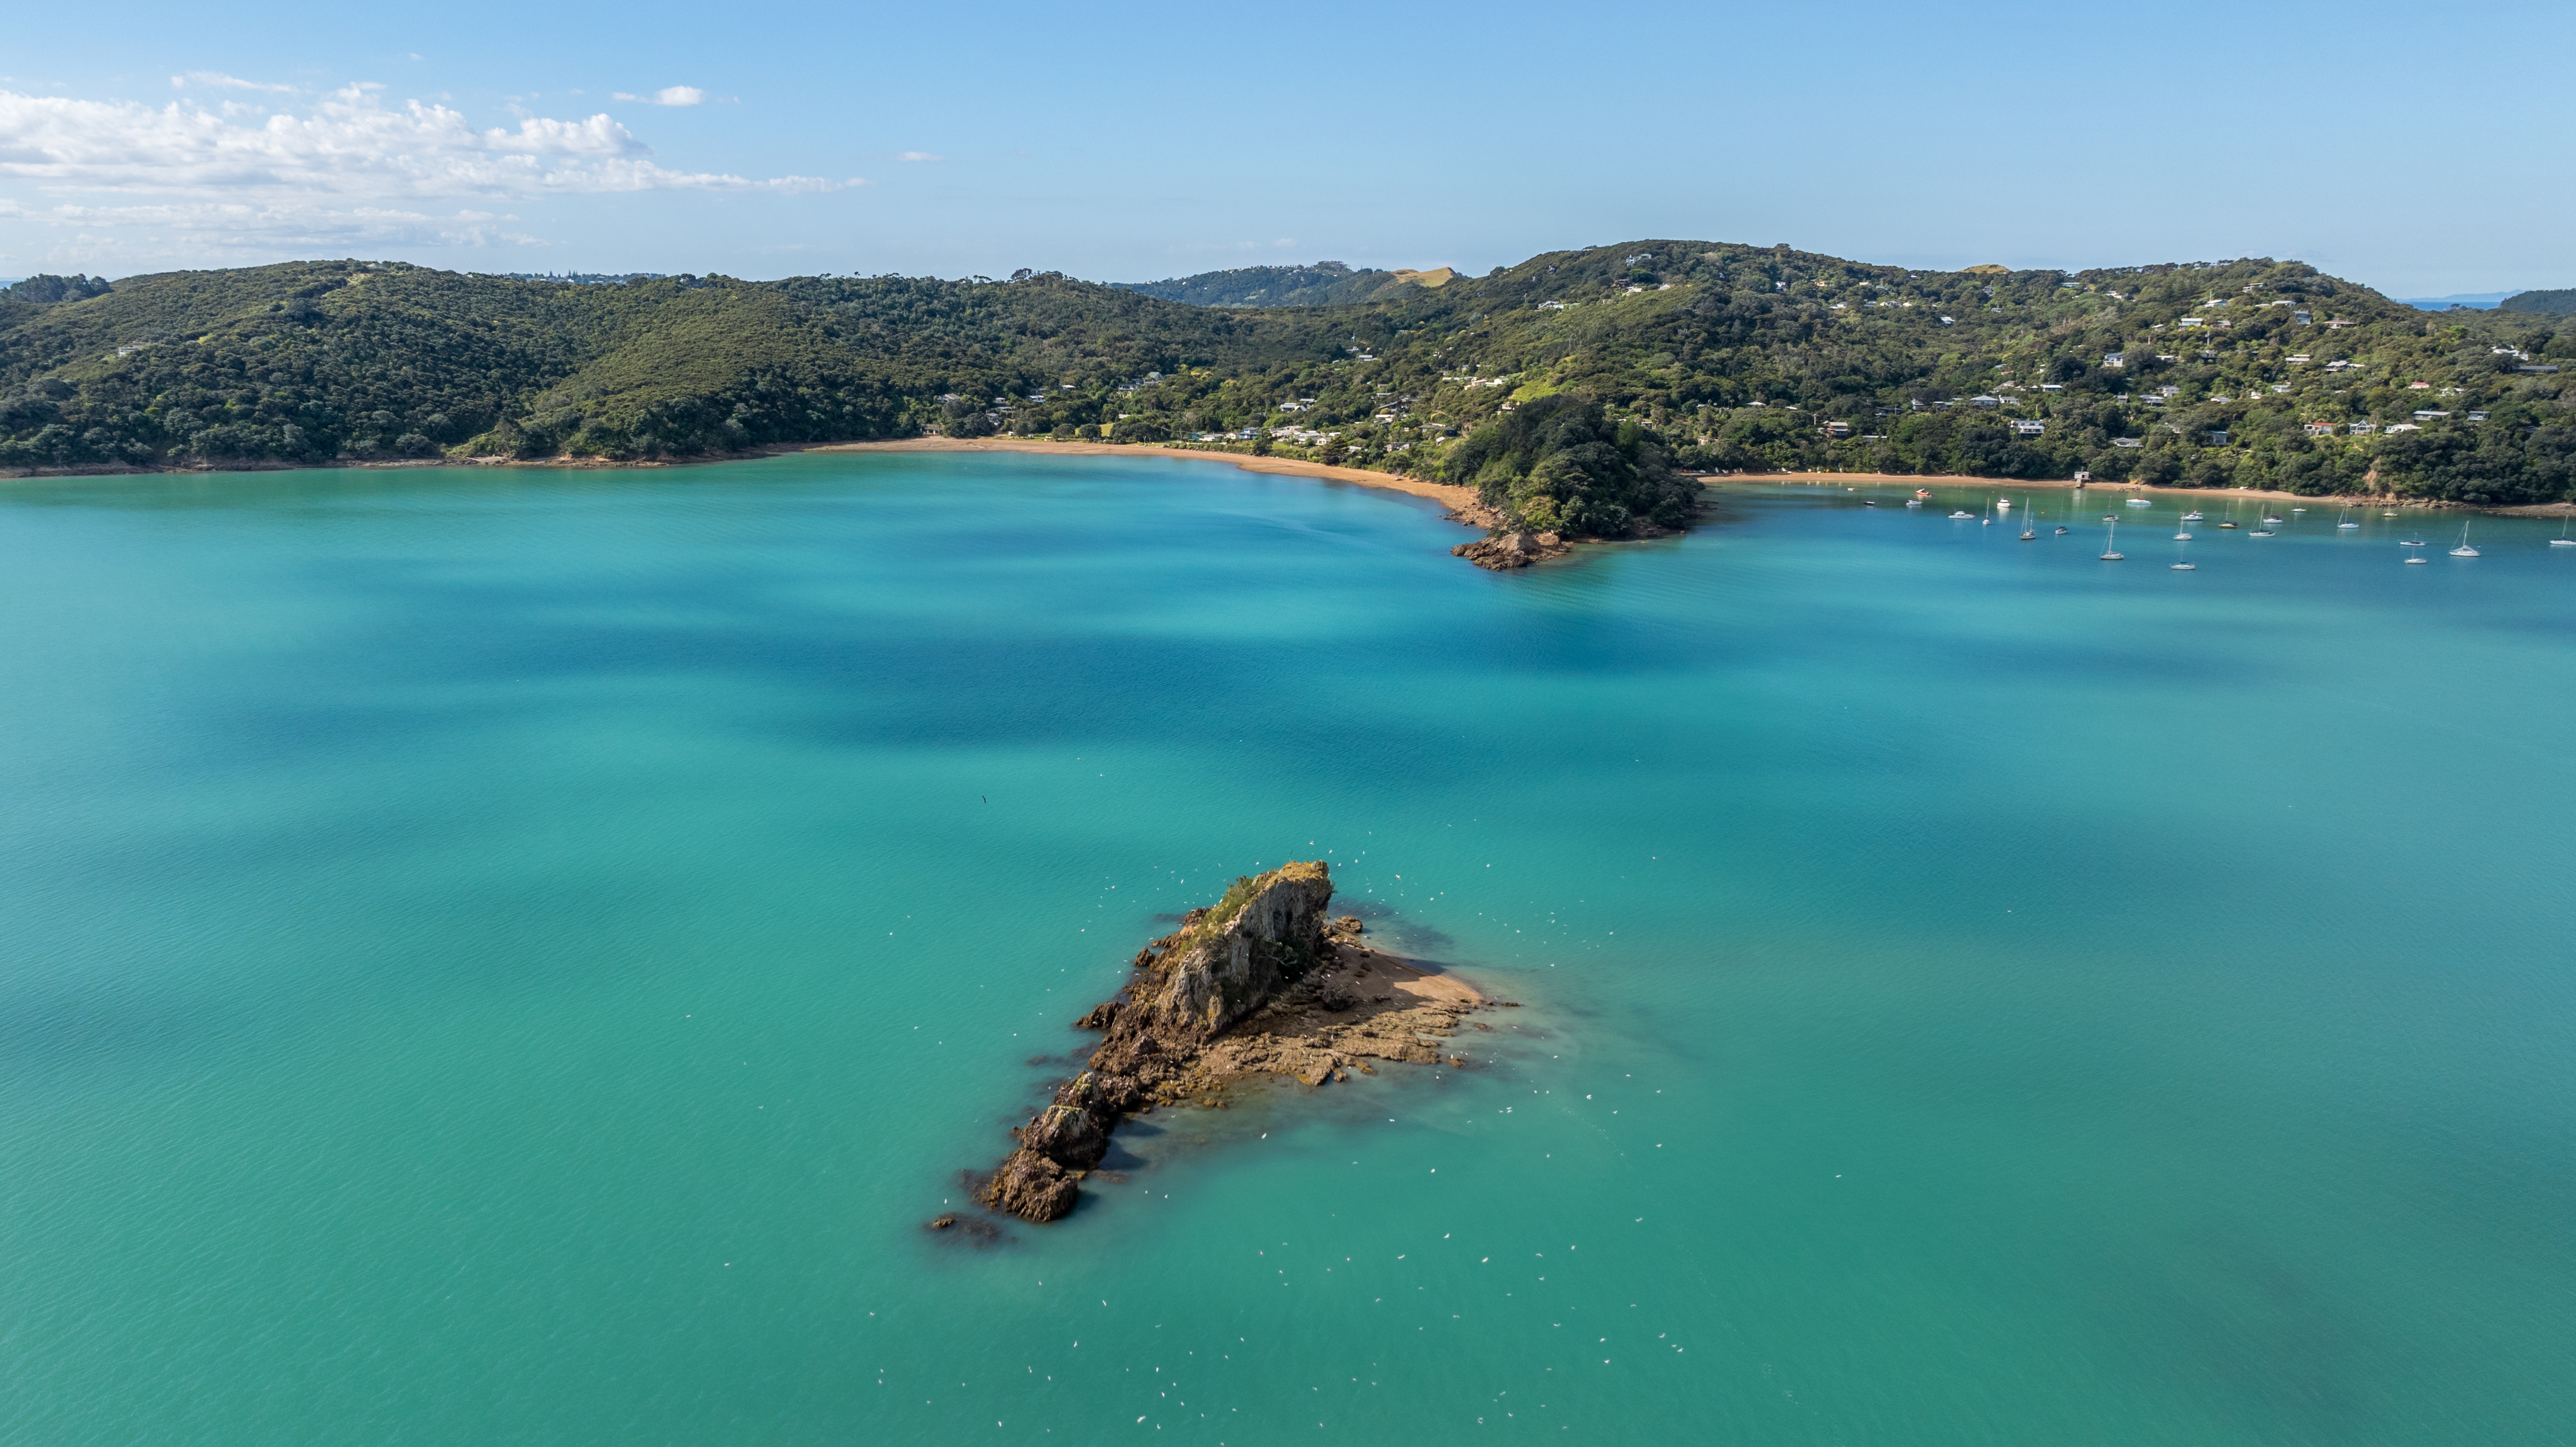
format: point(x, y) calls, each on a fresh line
point(1446, 494)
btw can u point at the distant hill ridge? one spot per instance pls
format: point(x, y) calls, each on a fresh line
point(1719, 355)
point(1326, 283)
point(2547, 303)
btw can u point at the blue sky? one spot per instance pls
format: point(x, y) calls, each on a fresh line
point(2412, 148)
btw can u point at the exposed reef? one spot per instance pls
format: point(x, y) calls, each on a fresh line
point(1261, 982)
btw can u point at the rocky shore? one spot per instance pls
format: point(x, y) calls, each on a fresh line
point(1262, 982)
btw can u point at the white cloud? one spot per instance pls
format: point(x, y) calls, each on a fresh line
point(348, 144)
point(221, 81)
point(669, 95)
point(919, 156)
point(221, 225)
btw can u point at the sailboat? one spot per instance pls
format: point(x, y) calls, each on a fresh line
point(2193, 516)
point(2110, 542)
point(2414, 557)
point(2344, 526)
point(2030, 529)
point(2464, 550)
point(2562, 540)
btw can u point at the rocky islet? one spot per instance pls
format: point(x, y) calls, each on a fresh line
point(1262, 982)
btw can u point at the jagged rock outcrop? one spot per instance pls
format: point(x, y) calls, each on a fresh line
point(1234, 991)
point(1505, 551)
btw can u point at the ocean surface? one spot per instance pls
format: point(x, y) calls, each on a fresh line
point(518, 958)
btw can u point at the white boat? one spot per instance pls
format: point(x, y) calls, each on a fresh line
point(2344, 526)
point(2229, 524)
point(2110, 543)
point(2464, 550)
point(2562, 540)
point(1963, 513)
point(2193, 516)
point(2003, 504)
point(2262, 533)
point(2182, 537)
point(2268, 520)
point(2186, 567)
point(2141, 502)
point(1914, 502)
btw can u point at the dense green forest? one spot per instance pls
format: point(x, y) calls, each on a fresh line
point(1715, 357)
point(2558, 303)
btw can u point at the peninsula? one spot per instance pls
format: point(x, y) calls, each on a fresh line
point(1259, 983)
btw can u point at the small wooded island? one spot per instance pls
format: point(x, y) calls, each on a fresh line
point(1261, 982)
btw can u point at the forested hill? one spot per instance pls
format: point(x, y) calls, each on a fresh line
point(1326, 283)
point(1714, 355)
point(2554, 303)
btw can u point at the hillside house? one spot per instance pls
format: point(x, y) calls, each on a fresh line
point(2321, 429)
point(2362, 429)
point(2128, 442)
point(2427, 414)
point(2028, 427)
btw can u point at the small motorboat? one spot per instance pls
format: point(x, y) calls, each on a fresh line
point(2061, 532)
point(2227, 525)
point(1914, 502)
point(2298, 509)
point(2003, 504)
point(1865, 502)
point(2411, 543)
point(2268, 520)
point(2186, 567)
point(2414, 560)
point(2194, 515)
point(1962, 513)
point(1922, 492)
point(2182, 537)
point(2141, 502)
point(2262, 533)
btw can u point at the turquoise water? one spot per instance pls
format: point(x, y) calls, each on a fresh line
point(517, 958)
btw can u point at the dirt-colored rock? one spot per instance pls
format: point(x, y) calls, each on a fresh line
point(1260, 983)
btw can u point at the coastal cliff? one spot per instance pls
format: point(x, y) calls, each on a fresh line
point(1261, 982)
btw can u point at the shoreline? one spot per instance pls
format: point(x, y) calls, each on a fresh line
point(1450, 495)
point(1913, 480)
point(1460, 501)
